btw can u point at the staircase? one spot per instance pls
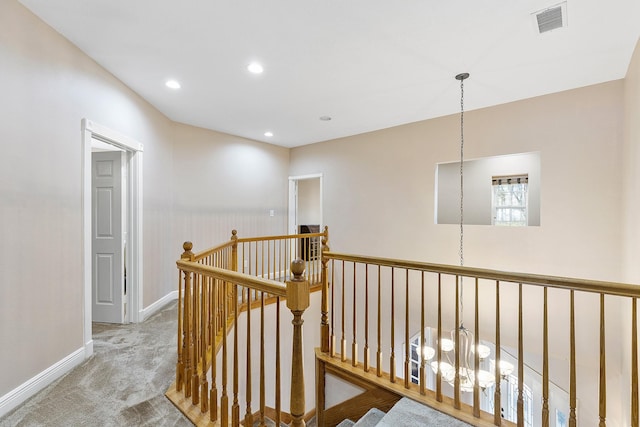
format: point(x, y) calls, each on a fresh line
point(405, 413)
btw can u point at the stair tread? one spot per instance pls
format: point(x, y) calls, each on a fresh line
point(371, 418)
point(408, 413)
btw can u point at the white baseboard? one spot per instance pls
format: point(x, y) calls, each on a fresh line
point(20, 394)
point(145, 313)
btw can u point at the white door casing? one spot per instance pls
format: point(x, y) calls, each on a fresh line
point(293, 201)
point(107, 247)
point(134, 152)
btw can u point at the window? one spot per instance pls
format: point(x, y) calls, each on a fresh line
point(478, 189)
point(510, 410)
point(510, 200)
point(561, 419)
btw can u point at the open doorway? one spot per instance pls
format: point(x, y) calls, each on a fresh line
point(112, 227)
point(305, 203)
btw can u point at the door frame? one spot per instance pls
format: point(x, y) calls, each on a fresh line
point(293, 201)
point(134, 151)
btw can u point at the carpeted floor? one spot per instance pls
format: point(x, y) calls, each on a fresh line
point(122, 384)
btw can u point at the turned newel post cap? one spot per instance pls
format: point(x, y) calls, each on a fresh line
point(234, 234)
point(297, 268)
point(187, 254)
point(298, 287)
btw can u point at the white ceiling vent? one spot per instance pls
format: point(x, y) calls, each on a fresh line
point(551, 18)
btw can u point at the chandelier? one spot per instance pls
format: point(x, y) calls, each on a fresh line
point(465, 345)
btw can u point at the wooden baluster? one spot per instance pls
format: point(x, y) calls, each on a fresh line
point(213, 392)
point(572, 369)
point(224, 398)
point(366, 318)
point(179, 365)
point(392, 356)
point(634, 363)
point(235, 407)
point(248, 417)
point(354, 344)
point(278, 419)
point(476, 358)
point(187, 335)
point(270, 274)
point(255, 294)
point(439, 349)
point(204, 384)
point(603, 368)
point(422, 373)
point(456, 380)
point(324, 309)
point(379, 352)
point(262, 370)
point(520, 402)
point(278, 268)
point(343, 341)
point(332, 342)
point(297, 302)
point(407, 362)
point(497, 396)
point(195, 380)
point(545, 361)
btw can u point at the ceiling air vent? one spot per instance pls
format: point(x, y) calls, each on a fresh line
point(551, 18)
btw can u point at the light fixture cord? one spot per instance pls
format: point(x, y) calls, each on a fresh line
point(461, 197)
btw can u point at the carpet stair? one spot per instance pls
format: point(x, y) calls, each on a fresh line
point(405, 413)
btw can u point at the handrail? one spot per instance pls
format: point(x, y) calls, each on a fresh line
point(203, 254)
point(595, 286)
point(279, 237)
point(257, 283)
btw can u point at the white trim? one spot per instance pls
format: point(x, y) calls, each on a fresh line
point(24, 391)
point(134, 149)
point(145, 313)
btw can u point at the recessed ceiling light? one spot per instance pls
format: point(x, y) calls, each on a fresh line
point(173, 84)
point(268, 134)
point(255, 68)
point(325, 118)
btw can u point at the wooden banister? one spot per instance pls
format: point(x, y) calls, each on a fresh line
point(211, 294)
point(582, 285)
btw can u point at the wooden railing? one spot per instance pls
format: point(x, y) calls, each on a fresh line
point(379, 316)
point(213, 293)
point(384, 326)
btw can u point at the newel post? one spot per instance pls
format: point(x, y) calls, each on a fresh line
point(324, 309)
point(183, 366)
point(297, 302)
point(234, 250)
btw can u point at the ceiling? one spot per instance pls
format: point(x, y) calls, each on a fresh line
point(367, 64)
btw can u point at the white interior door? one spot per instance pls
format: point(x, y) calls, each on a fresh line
point(108, 205)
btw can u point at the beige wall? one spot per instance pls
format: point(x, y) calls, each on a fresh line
point(379, 187)
point(632, 168)
point(631, 205)
point(223, 183)
point(193, 180)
